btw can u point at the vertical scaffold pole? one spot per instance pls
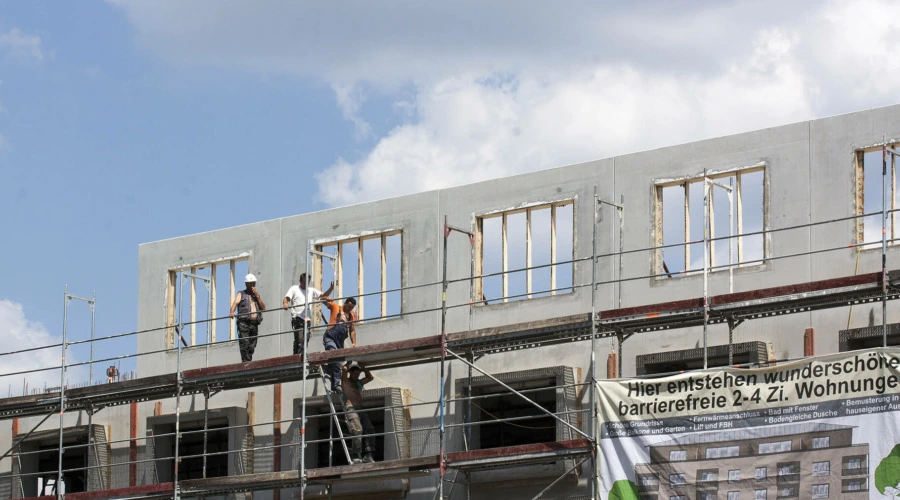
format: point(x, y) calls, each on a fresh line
point(884, 215)
point(705, 269)
point(305, 362)
point(175, 491)
point(62, 394)
point(621, 210)
point(205, 427)
point(92, 303)
point(443, 464)
point(595, 487)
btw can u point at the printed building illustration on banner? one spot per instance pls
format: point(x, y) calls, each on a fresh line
point(808, 460)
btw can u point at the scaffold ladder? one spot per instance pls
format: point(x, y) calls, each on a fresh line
point(336, 420)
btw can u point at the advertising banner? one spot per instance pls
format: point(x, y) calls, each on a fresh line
point(824, 427)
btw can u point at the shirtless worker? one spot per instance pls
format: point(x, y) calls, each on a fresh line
point(340, 326)
point(358, 423)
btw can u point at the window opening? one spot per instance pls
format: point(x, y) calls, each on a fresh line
point(206, 291)
point(374, 402)
point(493, 433)
point(723, 451)
point(708, 476)
point(677, 479)
point(775, 447)
point(190, 444)
point(788, 472)
point(364, 266)
point(821, 442)
point(735, 208)
point(869, 199)
point(849, 485)
point(788, 492)
point(515, 241)
point(821, 468)
point(648, 482)
point(40, 469)
point(820, 491)
point(855, 465)
point(325, 421)
point(761, 473)
point(678, 455)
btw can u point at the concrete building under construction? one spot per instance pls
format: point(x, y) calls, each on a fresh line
point(485, 312)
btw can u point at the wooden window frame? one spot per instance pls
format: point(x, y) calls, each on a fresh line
point(710, 180)
point(319, 245)
point(172, 298)
point(504, 215)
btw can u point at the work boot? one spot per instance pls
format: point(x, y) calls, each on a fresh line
point(368, 459)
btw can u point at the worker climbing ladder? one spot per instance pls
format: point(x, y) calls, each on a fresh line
point(334, 417)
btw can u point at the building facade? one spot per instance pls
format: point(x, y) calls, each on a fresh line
point(778, 180)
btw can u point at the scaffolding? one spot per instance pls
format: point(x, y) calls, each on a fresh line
point(580, 447)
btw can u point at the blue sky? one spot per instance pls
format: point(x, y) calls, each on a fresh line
point(125, 122)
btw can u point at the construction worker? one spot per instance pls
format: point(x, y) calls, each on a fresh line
point(340, 326)
point(249, 307)
point(296, 298)
point(358, 424)
point(112, 374)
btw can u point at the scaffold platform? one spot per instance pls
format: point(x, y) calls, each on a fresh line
point(737, 307)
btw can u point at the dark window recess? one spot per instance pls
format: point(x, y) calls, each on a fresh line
point(39, 461)
point(692, 359)
point(868, 337)
point(76, 458)
point(376, 416)
point(541, 429)
point(191, 444)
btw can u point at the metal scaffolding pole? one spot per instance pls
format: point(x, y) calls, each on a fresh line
point(442, 458)
point(441, 403)
point(305, 374)
point(596, 207)
point(178, 382)
point(884, 215)
point(62, 394)
point(205, 427)
point(706, 253)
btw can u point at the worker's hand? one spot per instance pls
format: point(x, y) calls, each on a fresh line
point(284, 306)
point(354, 344)
point(332, 285)
point(231, 315)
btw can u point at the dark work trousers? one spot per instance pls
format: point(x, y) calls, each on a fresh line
point(247, 332)
point(334, 339)
point(358, 423)
point(297, 325)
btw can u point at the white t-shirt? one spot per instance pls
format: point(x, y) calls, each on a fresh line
point(297, 298)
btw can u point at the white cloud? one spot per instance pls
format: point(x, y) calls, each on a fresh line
point(18, 333)
point(507, 87)
point(855, 46)
point(469, 128)
point(350, 98)
point(15, 44)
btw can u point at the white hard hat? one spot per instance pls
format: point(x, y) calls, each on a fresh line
point(250, 278)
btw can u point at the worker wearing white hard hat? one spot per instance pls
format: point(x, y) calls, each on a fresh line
point(250, 307)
